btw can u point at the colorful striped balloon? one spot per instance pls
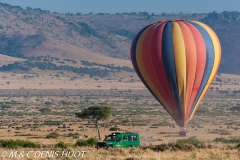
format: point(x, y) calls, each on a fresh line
point(177, 61)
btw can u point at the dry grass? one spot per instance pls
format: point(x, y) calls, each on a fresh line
point(138, 154)
point(132, 154)
point(37, 79)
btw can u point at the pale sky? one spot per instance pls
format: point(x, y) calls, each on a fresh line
point(120, 6)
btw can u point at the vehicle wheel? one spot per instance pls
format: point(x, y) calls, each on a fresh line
point(130, 147)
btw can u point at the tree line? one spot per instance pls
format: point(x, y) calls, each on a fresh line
point(46, 65)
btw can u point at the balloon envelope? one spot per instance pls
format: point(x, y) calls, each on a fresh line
point(177, 61)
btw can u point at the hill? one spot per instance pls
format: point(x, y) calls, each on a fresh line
point(100, 39)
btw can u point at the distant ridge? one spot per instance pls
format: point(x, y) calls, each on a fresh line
point(101, 38)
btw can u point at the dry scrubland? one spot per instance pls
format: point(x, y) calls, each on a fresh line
point(24, 98)
point(139, 154)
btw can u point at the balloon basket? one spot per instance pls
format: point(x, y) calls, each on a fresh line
point(183, 132)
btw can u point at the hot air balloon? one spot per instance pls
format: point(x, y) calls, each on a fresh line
point(177, 61)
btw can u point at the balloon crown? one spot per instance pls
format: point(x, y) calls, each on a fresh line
point(174, 20)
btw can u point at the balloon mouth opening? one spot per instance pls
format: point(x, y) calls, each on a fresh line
point(181, 122)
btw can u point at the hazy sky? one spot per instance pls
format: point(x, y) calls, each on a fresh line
point(120, 6)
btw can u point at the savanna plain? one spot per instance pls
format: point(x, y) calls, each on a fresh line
point(39, 110)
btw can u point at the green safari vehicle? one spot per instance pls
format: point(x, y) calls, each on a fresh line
point(120, 140)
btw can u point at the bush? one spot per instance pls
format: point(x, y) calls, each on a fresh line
point(114, 129)
point(52, 135)
point(92, 141)
point(72, 134)
point(81, 143)
point(238, 146)
point(61, 145)
point(191, 141)
point(5, 106)
point(183, 144)
point(49, 122)
point(225, 140)
point(88, 142)
point(18, 144)
point(161, 147)
point(45, 110)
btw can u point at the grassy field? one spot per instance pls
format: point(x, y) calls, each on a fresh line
point(46, 116)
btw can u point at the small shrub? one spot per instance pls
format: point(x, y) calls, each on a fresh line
point(81, 143)
point(237, 146)
point(66, 102)
point(18, 144)
point(49, 122)
point(72, 134)
point(5, 106)
point(61, 145)
point(114, 129)
point(88, 142)
point(191, 141)
point(183, 144)
point(182, 147)
point(92, 141)
point(52, 135)
point(161, 147)
point(45, 110)
point(225, 140)
point(221, 139)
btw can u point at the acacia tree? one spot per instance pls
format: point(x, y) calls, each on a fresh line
point(95, 114)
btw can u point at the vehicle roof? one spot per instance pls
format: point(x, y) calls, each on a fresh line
point(124, 133)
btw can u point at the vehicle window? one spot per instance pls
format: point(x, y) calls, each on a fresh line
point(110, 138)
point(132, 138)
point(124, 138)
